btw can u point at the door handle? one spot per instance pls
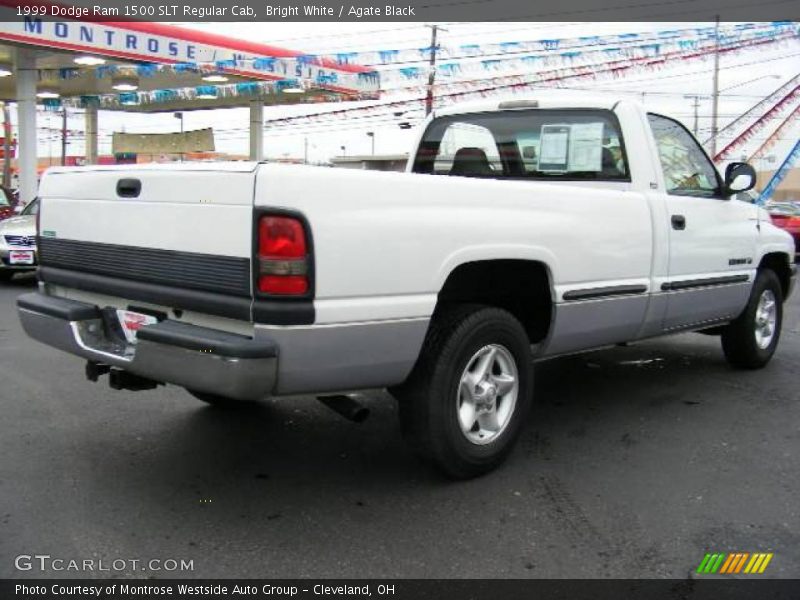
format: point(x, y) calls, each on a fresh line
point(678, 222)
point(129, 188)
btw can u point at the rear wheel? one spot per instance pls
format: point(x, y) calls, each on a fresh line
point(464, 405)
point(6, 275)
point(218, 401)
point(750, 341)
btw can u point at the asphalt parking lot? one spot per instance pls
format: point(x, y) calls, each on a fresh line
point(636, 461)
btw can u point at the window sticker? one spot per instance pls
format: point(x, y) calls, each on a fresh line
point(586, 147)
point(554, 147)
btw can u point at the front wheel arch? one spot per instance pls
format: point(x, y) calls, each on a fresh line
point(780, 264)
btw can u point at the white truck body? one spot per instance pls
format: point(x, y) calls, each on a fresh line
point(384, 246)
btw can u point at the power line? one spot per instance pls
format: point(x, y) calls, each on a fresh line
point(502, 86)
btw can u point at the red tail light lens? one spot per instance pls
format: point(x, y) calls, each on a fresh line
point(285, 285)
point(281, 237)
point(282, 256)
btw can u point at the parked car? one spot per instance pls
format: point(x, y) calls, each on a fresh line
point(786, 215)
point(239, 281)
point(18, 242)
point(8, 202)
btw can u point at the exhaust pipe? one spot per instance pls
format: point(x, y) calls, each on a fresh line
point(347, 406)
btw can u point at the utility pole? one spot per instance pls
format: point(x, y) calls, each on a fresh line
point(715, 97)
point(696, 106)
point(64, 136)
point(432, 67)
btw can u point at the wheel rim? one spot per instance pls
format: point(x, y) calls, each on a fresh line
point(766, 319)
point(487, 394)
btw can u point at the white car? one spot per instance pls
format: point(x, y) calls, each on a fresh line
point(18, 242)
point(522, 230)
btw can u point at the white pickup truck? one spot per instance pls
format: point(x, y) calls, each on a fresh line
point(522, 230)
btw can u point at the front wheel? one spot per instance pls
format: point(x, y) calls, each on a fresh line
point(750, 341)
point(465, 403)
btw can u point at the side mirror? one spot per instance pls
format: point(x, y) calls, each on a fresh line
point(739, 177)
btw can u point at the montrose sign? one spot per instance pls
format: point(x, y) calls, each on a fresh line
point(158, 43)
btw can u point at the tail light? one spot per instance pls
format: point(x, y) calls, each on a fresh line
point(283, 256)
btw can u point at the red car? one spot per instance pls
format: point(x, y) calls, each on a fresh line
point(786, 215)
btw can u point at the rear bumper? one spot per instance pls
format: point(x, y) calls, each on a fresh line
point(198, 358)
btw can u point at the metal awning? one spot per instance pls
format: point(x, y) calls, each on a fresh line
point(169, 66)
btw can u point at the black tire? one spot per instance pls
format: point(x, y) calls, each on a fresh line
point(6, 275)
point(218, 401)
point(739, 342)
point(429, 400)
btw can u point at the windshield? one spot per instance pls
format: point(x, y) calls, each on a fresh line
point(526, 144)
point(32, 208)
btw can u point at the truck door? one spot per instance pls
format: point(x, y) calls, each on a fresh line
point(712, 239)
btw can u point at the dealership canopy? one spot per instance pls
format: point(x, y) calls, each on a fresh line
point(153, 67)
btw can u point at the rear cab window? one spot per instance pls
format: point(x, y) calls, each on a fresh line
point(538, 144)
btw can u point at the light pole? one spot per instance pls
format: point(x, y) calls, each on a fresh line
point(6, 145)
point(179, 116)
point(344, 150)
point(371, 135)
point(63, 135)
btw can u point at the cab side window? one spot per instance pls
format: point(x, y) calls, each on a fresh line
point(686, 167)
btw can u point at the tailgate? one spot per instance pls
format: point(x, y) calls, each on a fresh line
point(147, 232)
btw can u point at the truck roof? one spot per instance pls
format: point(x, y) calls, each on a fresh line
point(544, 99)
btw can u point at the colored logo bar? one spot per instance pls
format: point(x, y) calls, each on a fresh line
point(734, 562)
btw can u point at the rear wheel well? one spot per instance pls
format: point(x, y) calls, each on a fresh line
point(779, 264)
point(521, 287)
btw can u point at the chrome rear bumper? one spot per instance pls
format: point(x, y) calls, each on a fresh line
point(198, 358)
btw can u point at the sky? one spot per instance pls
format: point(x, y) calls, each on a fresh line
point(745, 78)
